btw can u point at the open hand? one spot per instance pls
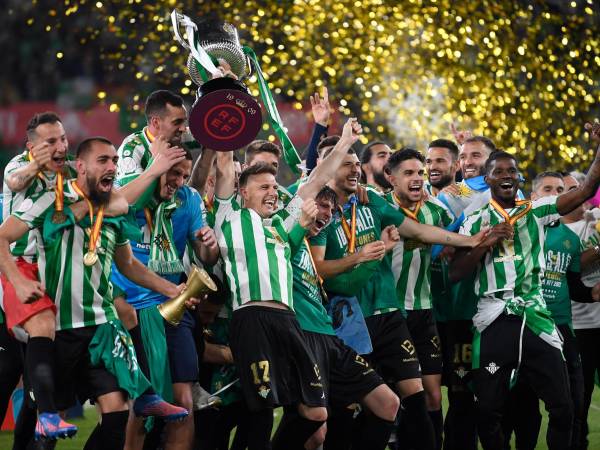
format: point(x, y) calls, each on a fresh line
point(372, 251)
point(320, 107)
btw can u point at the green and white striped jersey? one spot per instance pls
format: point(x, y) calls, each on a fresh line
point(82, 294)
point(256, 252)
point(134, 154)
point(411, 259)
point(509, 277)
point(26, 246)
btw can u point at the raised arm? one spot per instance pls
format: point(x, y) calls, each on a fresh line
point(139, 189)
point(321, 112)
point(201, 170)
point(20, 179)
point(328, 167)
point(570, 200)
point(225, 184)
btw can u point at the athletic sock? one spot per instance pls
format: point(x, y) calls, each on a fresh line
point(375, 433)
point(437, 420)
point(111, 432)
point(140, 352)
point(39, 366)
point(340, 424)
point(259, 427)
point(25, 426)
point(415, 430)
point(294, 430)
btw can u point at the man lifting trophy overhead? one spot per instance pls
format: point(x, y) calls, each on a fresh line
point(225, 116)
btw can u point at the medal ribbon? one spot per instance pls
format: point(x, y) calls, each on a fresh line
point(408, 212)
point(148, 216)
point(349, 230)
point(97, 225)
point(59, 190)
point(314, 266)
point(59, 203)
point(512, 219)
point(149, 135)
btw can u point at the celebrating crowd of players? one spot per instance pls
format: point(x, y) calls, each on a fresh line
point(348, 298)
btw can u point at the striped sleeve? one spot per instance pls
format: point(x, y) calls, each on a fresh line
point(544, 209)
point(16, 163)
point(131, 154)
point(33, 210)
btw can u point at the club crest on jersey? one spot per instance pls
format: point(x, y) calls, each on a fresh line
point(263, 391)
point(492, 368)
point(163, 242)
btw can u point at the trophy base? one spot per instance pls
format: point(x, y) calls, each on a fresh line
point(225, 117)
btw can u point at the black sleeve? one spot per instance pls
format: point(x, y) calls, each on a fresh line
point(578, 291)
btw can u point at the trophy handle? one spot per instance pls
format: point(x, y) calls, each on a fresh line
point(197, 52)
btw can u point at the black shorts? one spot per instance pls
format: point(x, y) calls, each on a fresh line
point(346, 376)
point(394, 355)
point(181, 346)
point(457, 370)
point(276, 365)
point(75, 377)
point(421, 325)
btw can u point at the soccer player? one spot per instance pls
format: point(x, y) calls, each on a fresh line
point(276, 365)
point(166, 117)
point(459, 304)
point(347, 378)
point(349, 243)
point(515, 332)
point(411, 261)
point(39, 168)
point(442, 164)
point(170, 220)
point(93, 351)
point(373, 159)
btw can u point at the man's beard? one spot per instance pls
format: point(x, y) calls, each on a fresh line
point(96, 196)
point(381, 180)
point(444, 181)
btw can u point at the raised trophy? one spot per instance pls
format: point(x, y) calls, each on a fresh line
point(225, 116)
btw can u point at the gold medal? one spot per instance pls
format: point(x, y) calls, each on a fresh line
point(59, 217)
point(90, 258)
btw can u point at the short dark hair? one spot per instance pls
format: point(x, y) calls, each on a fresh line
point(404, 154)
point(327, 151)
point(326, 193)
point(40, 119)
point(156, 103)
point(540, 176)
point(487, 142)
point(86, 145)
point(367, 151)
point(256, 169)
point(329, 141)
point(496, 155)
point(447, 144)
point(261, 146)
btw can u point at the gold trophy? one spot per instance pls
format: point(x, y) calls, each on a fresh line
point(199, 282)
